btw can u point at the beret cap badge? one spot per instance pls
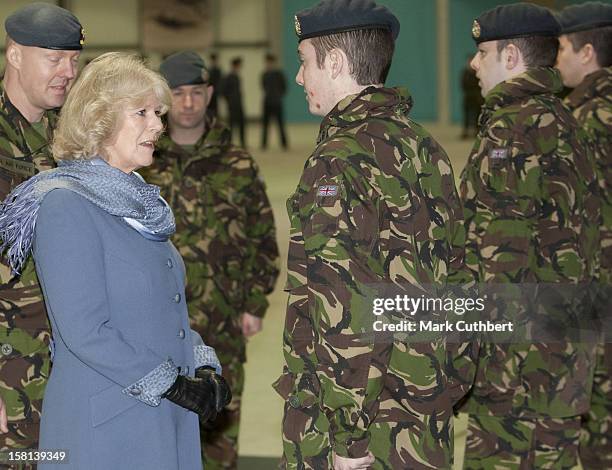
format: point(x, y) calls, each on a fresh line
point(82, 40)
point(298, 27)
point(476, 29)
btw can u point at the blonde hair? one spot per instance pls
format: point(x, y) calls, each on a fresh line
point(92, 112)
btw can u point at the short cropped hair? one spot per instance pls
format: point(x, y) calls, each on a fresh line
point(369, 52)
point(537, 51)
point(91, 114)
point(599, 38)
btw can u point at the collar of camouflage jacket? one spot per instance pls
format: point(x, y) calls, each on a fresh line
point(372, 102)
point(535, 81)
point(217, 135)
point(596, 84)
point(18, 121)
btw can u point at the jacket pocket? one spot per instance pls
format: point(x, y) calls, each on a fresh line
point(299, 332)
point(108, 404)
point(299, 390)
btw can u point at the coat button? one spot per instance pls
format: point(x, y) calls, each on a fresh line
point(169, 263)
point(294, 401)
point(135, 392)
point(177, 298)
point(6, 349)
point(181, 334)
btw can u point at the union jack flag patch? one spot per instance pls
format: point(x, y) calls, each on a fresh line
point(327, 190)
point(498, 154)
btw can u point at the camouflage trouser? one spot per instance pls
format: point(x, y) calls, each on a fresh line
point(21, 435)
point(220, 438)
point(408, 443)
point(596, 437)
point(508, 443)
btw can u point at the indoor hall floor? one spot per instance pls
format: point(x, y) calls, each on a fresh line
point(260, 441)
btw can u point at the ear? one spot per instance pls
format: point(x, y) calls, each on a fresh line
point(587, 54)
point(209, 93)
point(337, 62)
point(14, 55)
point(512, 57)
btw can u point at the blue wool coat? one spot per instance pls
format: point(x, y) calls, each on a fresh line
point(116, 304)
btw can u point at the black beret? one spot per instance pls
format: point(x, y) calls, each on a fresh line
point(515, 20)
point(47, 26)
point(589, 15)
point(336, 16)
point(184, 68)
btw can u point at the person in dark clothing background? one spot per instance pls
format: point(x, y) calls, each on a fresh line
point(472, 100)
point(274, 85)
point(233, 94)
point(214, 78)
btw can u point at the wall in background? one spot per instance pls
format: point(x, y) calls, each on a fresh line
point(247, 28)
point(414, 64)
point(109, 23)
point(250, 28)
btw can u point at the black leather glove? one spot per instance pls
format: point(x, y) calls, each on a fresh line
point(222, 392)
point(205, 395)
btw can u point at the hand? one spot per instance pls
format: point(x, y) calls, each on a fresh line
point(344, 463)
point(251, 324)
point(3, 417)
point(205, 394)
point(222, 392)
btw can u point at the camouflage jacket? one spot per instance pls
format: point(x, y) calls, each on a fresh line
point(530, 219)
point(24, 329)
point(224, 231)
point(591, 103)
point(376, 204)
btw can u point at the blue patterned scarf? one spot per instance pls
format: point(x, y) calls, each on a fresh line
point(118, 193)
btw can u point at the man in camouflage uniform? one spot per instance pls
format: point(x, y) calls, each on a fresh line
point(585, 63)
point(42, 50)
point(225, 233)
point(525, 191)
point(376, 204)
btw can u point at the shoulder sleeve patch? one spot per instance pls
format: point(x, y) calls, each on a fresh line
point(499, 153)
point(327, 194)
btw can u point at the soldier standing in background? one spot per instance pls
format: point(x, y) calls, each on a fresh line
point(585, 63)
point(232, 90)
point(225, 233)
point(525, 191)
point(274, 85)
point(214, 79)
point(42, 50)
point(376, 204)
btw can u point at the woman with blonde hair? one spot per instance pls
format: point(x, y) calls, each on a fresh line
point(129, 378)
